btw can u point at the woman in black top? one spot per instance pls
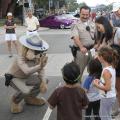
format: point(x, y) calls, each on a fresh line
point(10, 36)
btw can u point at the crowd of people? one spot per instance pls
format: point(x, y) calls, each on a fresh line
point(104, 37)
point(100, 90)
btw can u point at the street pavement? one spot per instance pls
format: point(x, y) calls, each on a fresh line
point(58, 54)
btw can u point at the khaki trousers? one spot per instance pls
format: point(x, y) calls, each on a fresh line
point(82, 61)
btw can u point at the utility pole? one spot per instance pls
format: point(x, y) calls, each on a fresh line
point(49, 5)
point(24, 12)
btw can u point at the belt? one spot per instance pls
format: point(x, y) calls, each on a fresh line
point(88, 46)
point(32, 30)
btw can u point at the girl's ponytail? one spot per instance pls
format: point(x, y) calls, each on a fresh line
point(116, 58)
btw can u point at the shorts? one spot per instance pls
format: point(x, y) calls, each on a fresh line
point(10, 37)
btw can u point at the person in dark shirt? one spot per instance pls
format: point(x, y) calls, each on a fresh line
point(10, 36)
point(70, 98)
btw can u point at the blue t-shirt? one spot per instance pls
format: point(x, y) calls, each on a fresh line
point(92, 92)
point(88, 82)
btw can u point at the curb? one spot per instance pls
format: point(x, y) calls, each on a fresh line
point(43, 29)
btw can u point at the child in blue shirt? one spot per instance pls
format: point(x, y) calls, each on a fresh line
point(94, 69)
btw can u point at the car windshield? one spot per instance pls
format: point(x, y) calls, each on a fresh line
point(60, 17)
point(68, 16)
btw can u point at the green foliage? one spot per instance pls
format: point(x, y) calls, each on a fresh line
point(72, 5)
point(82, 4)
point(41, 2)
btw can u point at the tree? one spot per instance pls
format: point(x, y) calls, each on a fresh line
point(42, 3)
point(109, 7)
point(72, 5)
point(11, 6)
point(82, 4)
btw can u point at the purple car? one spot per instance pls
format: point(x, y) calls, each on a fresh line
point(56, 21)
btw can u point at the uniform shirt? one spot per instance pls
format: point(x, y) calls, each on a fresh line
point(32, 23)
point(10, 23)
point(69, 102)
point(79, 30)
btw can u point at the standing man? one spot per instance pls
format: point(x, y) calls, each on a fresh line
point(115, 17)
point(82, 35)
point(32, 23)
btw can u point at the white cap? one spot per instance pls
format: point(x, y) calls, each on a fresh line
point(116, 6)
point(9, 14)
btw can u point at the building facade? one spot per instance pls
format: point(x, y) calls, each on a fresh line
point(14, 6)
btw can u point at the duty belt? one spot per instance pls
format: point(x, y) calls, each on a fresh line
point(32, 30)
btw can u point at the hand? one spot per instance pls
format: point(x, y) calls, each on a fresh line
point(96, 82)
point(96, 46)
point(44, 60)
point(37, 61)
point(83, 50)
point(10, 27)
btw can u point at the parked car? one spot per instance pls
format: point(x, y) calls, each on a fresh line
point(56, 21)
point(71, 17)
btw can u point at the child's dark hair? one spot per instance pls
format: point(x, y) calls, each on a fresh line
point(109, 55)
point(95, 68)
point(71, 73)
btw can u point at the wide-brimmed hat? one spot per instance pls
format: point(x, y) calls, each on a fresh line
point(34, 42)
point(9, 14)
point(116, 6)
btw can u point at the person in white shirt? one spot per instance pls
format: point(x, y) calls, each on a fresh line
point(32, 23)
point(109, 59)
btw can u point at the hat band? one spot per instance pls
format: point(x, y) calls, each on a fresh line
point(72, 81)
point(34, 44)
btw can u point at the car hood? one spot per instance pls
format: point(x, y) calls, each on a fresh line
point(65, 21)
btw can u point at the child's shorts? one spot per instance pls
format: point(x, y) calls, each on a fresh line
point(10, 37)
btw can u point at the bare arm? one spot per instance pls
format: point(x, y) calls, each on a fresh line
point(10, 27)
point(107, 86)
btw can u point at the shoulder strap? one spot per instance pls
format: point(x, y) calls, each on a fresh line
point(115, 32)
